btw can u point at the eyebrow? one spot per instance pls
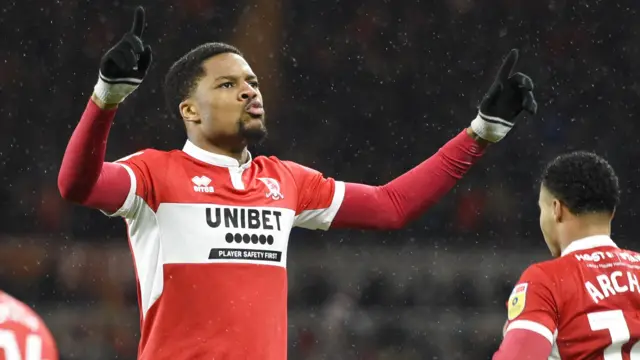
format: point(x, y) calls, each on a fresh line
point(233, 77)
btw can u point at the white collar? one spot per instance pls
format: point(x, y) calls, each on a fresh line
point(213, 158)
point(589, 242)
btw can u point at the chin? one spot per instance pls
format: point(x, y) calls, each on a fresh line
point(255, 134)
point(253, 122)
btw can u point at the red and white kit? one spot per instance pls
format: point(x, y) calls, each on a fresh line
point(586, 303)
point(209, 235)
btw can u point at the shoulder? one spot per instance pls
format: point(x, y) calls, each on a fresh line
point(268, 160)
point(152, 161)
point(148, 156)
point(545, 274)
point(548, 277)
point(272, 161)
point(290, 167)
point(544, 271)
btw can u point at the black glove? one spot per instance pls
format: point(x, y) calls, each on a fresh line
point(508, 96)
point(123, 67)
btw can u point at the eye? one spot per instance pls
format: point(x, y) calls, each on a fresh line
point(254, 84)
point(227, 85)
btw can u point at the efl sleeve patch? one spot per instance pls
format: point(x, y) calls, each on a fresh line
point(517, 301)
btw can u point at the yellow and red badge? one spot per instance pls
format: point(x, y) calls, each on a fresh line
point(517, 299)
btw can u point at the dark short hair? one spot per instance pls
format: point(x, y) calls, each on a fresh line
point(184, 74)
point(584, 182)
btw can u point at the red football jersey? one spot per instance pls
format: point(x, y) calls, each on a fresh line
point(23, 334)
point(586, 302)
point(209, 241)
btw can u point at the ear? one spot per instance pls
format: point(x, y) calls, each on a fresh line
point(558, 210)
point(189, 111)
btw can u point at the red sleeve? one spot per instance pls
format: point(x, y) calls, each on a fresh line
point(318, 197)
point(532, 316)
point(522, 344)
point(533, 300)
point(84, 177)
point(141, 189)
point(403, 199)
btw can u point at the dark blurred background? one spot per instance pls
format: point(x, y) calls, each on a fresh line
point(361, 90)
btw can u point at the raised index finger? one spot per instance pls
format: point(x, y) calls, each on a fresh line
point(508, 65)
point(138, 22)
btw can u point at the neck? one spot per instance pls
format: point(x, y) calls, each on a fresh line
point(582, 227)
point(240, 153)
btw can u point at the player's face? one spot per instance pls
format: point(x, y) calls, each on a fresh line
point(228, 103)
point(549, 218)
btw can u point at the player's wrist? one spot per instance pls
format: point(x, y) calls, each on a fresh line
point(111, 93)
point(490, 128)
point(482, 142)
point(101, 104)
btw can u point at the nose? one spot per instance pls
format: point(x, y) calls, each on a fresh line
point(248, 93)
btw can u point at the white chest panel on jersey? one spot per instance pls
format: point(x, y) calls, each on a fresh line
point(206, 233)
point(187, 233)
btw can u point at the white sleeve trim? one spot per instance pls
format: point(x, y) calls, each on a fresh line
point(532, 326)
point(129, 202)
point(322, 218)
point(338, 197)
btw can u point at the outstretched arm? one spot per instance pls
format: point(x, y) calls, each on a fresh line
point(84, 177)
point(393, 205)
point(400, 201)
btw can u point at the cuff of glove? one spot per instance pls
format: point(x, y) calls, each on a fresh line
point(490, 128)
point(114, 91)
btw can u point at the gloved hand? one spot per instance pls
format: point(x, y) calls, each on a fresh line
point(508, 96)
point(123, 67)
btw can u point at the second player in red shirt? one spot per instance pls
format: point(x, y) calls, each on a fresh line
point(585, 304)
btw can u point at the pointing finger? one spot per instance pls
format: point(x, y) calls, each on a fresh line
point(508, 65)
point(138, 22)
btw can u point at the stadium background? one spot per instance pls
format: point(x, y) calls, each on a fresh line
point(361, 90)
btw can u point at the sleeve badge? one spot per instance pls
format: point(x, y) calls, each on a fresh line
point(517, 300)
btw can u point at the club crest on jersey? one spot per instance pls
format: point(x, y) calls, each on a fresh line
point(201, 184)
point(517, 300)
point(273, 188)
